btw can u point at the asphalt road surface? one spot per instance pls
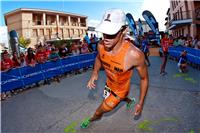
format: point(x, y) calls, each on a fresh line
point(172, 105)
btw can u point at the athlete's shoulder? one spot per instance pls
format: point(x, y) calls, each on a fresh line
point(134, 51)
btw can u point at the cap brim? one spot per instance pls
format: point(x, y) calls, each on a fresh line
point(108, 28)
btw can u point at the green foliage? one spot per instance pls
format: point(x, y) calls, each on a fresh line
point(59, 43)
point(24, 42)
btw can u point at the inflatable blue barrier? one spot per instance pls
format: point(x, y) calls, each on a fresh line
point(193, 55)
point(20, 77)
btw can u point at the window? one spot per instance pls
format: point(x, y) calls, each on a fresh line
point(35, 33)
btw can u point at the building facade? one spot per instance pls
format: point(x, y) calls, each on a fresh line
point(41, 25)
point(183, 18)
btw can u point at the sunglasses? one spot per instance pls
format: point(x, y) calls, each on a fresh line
point(106, 36)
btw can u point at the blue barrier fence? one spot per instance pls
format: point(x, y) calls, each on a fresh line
point(20, 77)
point(193, 55)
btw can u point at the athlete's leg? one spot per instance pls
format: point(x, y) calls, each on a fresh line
point(107, 105)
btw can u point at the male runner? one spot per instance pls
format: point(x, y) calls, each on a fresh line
point(118, 57)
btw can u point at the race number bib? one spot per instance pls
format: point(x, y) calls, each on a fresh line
point(106, 93)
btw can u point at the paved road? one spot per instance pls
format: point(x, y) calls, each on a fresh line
point(172, 105)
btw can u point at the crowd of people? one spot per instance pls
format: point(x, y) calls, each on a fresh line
point(47, 52)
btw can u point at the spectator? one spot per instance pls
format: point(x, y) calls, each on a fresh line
point(22, 60)
point(40, 55)
point(84, 47)
point(87, 39)
point(75, 49)
point(6, 62)
point(30, 58)
point(54, 56)
point(188, 42)
point(181, 41)
point(16, 60)
point(196, 42)
point(47, 51)
point(175, 43)
point(182, 63)
point(63, 51)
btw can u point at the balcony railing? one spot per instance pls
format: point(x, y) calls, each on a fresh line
point(186, 15)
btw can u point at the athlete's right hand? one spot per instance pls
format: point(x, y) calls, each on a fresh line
point(91, 82)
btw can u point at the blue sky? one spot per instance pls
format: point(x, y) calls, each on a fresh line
point(94, 9)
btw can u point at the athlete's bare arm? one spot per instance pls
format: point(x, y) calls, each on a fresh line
point(136, 59)
point(94, 76)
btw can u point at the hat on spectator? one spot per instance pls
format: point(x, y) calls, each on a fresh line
point(112, 21)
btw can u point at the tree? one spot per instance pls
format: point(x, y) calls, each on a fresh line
point(24, 42)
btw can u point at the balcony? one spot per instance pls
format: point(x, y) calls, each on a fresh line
point(37, 22)
point(181, 19)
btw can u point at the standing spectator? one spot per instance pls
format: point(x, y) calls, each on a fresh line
point(6, 62)
point(47, 51)
point(22, 60)
point(54, 56)
point(188, 42)
point(181, 41)
point(87, 39)
point(196, 42)
point(165, 43)
point(175, 43)
point(63, 51)
point(16, 60)
point(40, 55)
point(84, 47)
point(30, 58)
point(75, 49)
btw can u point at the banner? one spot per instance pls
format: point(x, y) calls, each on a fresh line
point(153, 24)
point(132, 26)
point(20, 77)
point(141, 32)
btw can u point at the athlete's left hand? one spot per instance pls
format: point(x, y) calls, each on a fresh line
point(138, 109)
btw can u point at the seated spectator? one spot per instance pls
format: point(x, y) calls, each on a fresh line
point(30, 58)
point(40, 55)
point(6, 62)
point(16, 60)
point(63, 51)
point(84, 47)
point(22, 60)
point(182, 63)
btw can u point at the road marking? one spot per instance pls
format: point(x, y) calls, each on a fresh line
point(146, 124)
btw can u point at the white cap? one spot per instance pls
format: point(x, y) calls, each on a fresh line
point(112, 21)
